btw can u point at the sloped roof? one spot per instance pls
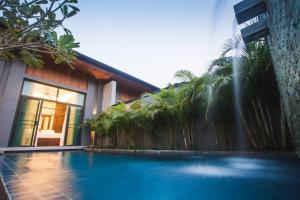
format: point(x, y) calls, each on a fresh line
point(114, 71)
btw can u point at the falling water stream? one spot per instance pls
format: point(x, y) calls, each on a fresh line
point(236, 69)
point(236, 53)
point(237, 103)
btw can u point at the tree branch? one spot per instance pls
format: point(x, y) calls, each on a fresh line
point(14, 46)
point(50, 11)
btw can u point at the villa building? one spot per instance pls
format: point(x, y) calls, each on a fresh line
point(46, 106)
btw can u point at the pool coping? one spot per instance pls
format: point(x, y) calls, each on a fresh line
point(145, 151)
point(39, 149)
point(3, 190)
point(184, 152)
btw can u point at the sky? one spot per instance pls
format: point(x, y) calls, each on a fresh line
point(152, 39)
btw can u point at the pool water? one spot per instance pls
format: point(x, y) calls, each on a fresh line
point(87, 175)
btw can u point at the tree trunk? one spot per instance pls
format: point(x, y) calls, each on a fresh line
point(184, 139)
point(190, 126)
point(259, 122)
point(253, 129)
point(282, 125)
point(262, 113)
point(271, 128)
point(117, 138)
point(248, 130)
point(216, 135)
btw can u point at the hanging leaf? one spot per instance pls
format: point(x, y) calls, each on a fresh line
point(72, 13)
point(30, 28)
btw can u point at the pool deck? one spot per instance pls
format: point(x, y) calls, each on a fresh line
point(36, 149)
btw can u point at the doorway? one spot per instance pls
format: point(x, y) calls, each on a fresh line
point(46, 123)
point(51, 124)
point(47, 116)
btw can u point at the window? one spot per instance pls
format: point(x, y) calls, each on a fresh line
point(70, 97)
point(42, 91)
point(39, 90)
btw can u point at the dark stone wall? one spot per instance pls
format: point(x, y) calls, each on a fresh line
point(284, 40)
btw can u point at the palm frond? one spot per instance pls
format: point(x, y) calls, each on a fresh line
point(231, 44)
point(185, 75)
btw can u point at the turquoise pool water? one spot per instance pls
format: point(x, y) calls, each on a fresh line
point(83, 175)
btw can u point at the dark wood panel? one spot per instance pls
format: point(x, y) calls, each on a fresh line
point(48, 142)
point(60, 74)
point(127, 94)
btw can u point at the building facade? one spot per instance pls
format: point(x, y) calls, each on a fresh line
point(46, 106)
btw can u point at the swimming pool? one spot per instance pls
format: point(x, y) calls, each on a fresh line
point(88, 175)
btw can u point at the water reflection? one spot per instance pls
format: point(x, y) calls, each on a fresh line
point(235, 167)
point(83, 175)
point(43, 175)
point(208, 170)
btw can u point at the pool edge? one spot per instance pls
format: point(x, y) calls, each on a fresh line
point(39, 149)
point(3, 190)
point(184, 152)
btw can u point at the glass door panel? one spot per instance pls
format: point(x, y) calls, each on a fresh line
point(26, 122)
point(73, 125)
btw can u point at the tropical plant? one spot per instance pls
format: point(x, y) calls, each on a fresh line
point(209, 98)
point(163, 110)
point(199, 95)
point(258, 89)
point(28, 30)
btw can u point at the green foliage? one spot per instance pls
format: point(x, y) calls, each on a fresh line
point(177, 109)
point(28, 31)
point(171, 109)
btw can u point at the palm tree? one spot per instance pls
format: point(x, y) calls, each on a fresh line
point(160, 106)
point(209, 98)
point(199, 94)
point(259, 92)
point(142, 122)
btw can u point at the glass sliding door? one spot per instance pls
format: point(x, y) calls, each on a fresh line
point(73, 125)
point(26, 122)
point(47, 116)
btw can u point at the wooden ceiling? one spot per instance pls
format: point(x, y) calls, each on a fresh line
point(105, 75)
point(92, 70)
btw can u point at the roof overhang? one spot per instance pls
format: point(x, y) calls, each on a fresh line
point(105, 72)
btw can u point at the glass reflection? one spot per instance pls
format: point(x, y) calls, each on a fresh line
point(70, 97)
point(73, 129)
point(26, 122)
point(42, 91)
point(39, 91)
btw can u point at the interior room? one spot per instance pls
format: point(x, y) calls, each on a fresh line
point(52, 124)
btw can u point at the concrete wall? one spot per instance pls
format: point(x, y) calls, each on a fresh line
point(11, 85)
point(284, 39)
point(97, 107)
point(89, 106)
point(109, 94)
